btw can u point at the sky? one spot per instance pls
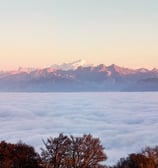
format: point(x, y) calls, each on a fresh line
point(37, 33)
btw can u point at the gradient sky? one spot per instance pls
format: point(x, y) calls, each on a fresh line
point(38, 33)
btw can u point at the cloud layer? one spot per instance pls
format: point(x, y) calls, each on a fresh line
point(124, 122)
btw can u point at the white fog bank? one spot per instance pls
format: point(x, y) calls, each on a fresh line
point(124, 122)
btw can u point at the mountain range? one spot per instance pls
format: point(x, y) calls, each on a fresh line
point(78, 76)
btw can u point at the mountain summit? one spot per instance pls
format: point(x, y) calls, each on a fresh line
point(70, 65)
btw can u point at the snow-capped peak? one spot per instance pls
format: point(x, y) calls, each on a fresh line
point(70, 65)
point(80, 62)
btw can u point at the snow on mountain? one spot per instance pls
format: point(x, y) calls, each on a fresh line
point(78, 76)
point(70, 65)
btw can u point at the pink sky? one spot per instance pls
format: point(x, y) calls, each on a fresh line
point(38, 34)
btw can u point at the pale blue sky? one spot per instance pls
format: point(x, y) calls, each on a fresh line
point(43, 32)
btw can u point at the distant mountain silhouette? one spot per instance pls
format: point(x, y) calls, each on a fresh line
point(79, 78)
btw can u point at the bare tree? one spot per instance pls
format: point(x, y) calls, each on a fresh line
point(73, 152)
point(152, 154)
point(87, 152)
point(56, 149)
point(135, 161)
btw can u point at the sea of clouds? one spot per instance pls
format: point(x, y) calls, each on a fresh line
point(124, 122)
